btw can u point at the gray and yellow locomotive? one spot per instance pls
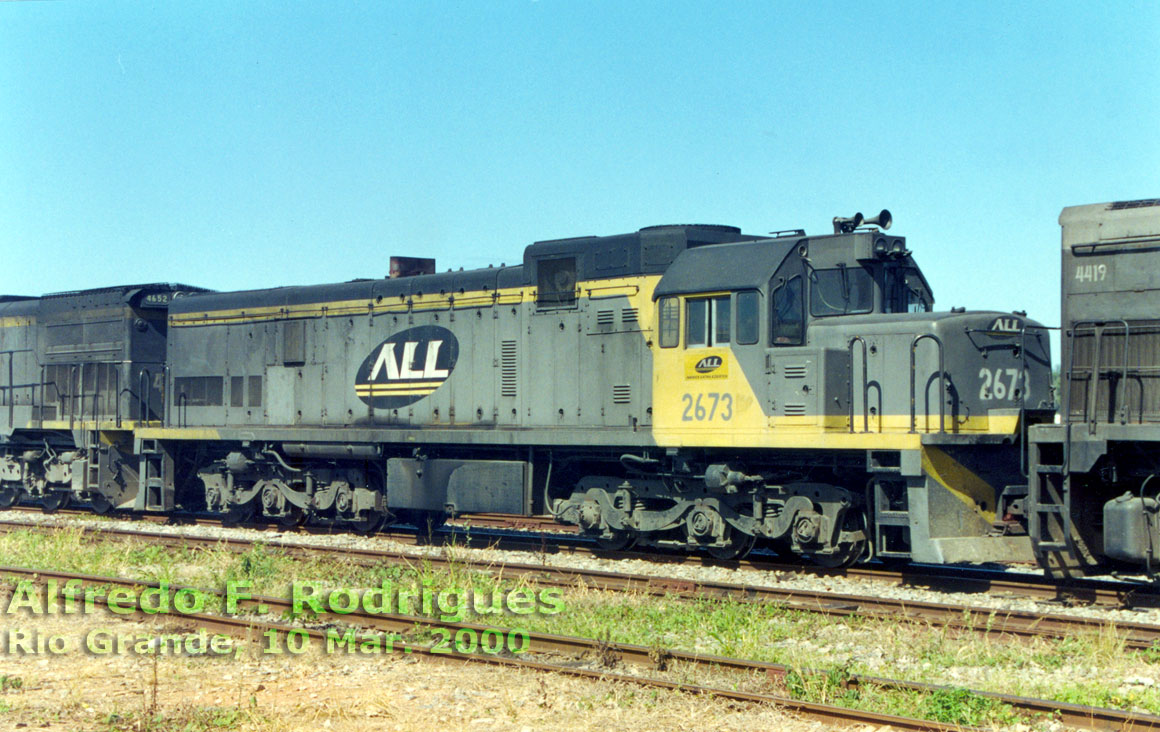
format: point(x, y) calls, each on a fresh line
point(681, 386)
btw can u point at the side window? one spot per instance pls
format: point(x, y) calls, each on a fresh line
point(748, 316)
point(556, 282)
point(787, 315)
point(670, 330)
point(697, 324)
point(708, 321)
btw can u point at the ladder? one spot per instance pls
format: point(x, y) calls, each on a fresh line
point(156, 487)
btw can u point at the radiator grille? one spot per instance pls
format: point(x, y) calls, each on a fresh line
point(508, 373)
point(795, 410)
point(605, 317)
point(621, 393)
point(1135, 398)
point(630, 316)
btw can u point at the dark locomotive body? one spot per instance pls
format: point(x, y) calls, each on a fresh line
point(79, 372)
point(1093, 496)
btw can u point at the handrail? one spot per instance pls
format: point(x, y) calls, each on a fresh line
point(72, 383)
point(865, 385)
point(1097, 328)
point(144, 382)
point(11, 391)
point(942, 385)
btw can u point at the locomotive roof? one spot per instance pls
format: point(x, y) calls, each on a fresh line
point(1124, 221)
point(735, 266)
point(647, 251)
point(124, 290)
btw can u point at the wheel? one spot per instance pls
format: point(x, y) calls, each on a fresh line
point(55, 501)
point(239, 514)
point(294, 517)
point(100, 503)
point(849, 554)
point(738, 545)
point(369, 524)
point(620, 541)
point(9, 495)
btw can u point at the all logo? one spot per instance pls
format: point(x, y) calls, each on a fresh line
point(708, 364)
point(406, 367)
point(1006, 325)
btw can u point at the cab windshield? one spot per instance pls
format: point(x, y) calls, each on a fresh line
point(906, 292)
point(841, 291)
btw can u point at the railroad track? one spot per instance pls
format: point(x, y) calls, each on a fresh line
point(959, 617)
point(502, 531)
point(609, 655)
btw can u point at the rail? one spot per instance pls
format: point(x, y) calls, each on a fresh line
point(942, 384)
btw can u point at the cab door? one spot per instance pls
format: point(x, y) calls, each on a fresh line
point(709, 368)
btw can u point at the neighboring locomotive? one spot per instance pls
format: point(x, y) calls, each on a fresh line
point(78, 372)
point(1093, 494)
point(683, 386)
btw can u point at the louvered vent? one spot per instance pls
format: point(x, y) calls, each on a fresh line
point(605, 317)
point(621, 393)
point(795, 410)
point(508, 375)
point(795, 372)
point(630, 316)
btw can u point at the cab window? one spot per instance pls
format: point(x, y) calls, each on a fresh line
point(748, 316)
point(707, 322)
point(906, 292)
point(670, 330)
point(787, 325)
point(841, 291)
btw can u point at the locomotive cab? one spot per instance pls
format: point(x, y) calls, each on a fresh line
point(820, 362)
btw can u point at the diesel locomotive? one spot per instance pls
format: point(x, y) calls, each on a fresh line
point(684, 386)
point(1093, 493)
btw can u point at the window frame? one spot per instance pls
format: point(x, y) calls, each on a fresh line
point(710, 322)
point(867, 277)
point(669, 314)
point(774, 321)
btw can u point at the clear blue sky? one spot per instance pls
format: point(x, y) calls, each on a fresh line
point(238, 145)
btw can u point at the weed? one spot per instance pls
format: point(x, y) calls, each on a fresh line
point(960, 706)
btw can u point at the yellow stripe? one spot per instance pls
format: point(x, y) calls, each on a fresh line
point(393, 392)
point(173, 433)
point(631, 287)
point(960, 481)
point(104, 425)
point(402, 385)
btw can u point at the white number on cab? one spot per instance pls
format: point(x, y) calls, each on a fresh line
point(1000, 384)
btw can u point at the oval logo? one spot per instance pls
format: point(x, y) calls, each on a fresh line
point(708, 365)
point(406, 367)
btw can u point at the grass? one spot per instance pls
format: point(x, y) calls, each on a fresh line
point(1084, 669)
point(184, 719)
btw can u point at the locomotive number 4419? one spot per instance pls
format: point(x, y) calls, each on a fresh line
point(707, 407)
